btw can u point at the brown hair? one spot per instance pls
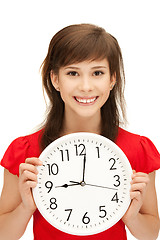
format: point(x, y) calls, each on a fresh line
point(73, 44)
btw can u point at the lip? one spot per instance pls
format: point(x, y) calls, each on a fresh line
point(85, 101)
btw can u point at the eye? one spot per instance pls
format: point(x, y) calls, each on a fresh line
point(98, 73)
point(72, 73)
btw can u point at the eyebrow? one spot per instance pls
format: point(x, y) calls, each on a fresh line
point(72, 67)
point(99, 67)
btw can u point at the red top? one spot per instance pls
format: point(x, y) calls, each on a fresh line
point(140, 151)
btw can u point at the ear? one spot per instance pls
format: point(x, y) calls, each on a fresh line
point(113, 80)
point(54, 80)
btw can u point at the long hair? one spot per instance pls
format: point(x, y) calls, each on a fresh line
point(74, 44)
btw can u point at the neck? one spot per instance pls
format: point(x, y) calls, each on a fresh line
point(80, 124)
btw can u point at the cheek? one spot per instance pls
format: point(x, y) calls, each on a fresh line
point(67, 89)
point(106, 95)
point(105, 91)
point(105, 88)
point(64, 92)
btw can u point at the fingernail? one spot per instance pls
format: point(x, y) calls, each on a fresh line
point(133, 175)
point(40, 162)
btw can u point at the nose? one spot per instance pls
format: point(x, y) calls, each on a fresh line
point(86, 84)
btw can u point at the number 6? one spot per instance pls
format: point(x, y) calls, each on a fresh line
point(85, 219)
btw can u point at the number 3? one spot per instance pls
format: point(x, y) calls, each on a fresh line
point(117, 180)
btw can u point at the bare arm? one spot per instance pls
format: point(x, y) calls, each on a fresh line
point(16, 202)
point(142, 216)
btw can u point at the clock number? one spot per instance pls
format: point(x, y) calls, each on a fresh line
point(115, 198)
point(70, 210)
point(114, 161)
point(53, 169)
point(83, 151)
point(117, 180)
point(53, 204)
point(85, 219)
point(62, 154)
point(49, 185)
point(98, 152)
point(103, 211)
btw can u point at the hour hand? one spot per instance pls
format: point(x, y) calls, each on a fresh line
point(68, 185)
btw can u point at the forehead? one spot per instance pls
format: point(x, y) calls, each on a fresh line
point(88, 64)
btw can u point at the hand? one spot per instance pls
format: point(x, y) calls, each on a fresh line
point(137, 193)
point(84, 165)
point(68, 185)
point(27, 180)
point(92, 185)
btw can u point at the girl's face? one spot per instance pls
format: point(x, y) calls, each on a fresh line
point(84, 87)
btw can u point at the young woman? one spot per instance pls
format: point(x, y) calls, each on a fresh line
point(83, 77)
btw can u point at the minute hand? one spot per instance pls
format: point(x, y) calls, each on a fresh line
point(93, 185)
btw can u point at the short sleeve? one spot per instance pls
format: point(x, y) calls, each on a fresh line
point(16, 153)
point(148, 156)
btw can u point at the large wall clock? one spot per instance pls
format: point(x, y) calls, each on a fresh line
point(84, 183)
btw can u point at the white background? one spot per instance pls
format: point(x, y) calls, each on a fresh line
point(26, 30)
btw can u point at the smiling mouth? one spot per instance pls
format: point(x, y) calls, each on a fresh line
point(86, 100)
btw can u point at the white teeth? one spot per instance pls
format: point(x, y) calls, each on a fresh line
point(83, 100)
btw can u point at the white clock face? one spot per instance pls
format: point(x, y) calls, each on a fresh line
point(83, 184)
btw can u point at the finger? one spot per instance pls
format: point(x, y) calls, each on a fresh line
point(31, 184)
point(139, 174)
point(34, 161)
point(29, 167)
point(30, 164)
point(27, 175)
point(138, 187)
point(135, 195)
point(140, 180)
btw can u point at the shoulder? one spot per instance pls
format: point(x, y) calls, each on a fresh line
point(21, 148)
point(33, 142)
point(140, 151)
point(128, 142)
point(34, 138)
point(127, 138)
point(126, 134)
point(28, 142)
point(133, 141)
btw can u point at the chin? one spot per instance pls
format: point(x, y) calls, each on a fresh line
point(87, 114)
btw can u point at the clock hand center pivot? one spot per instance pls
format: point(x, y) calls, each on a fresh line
point(82, 183)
